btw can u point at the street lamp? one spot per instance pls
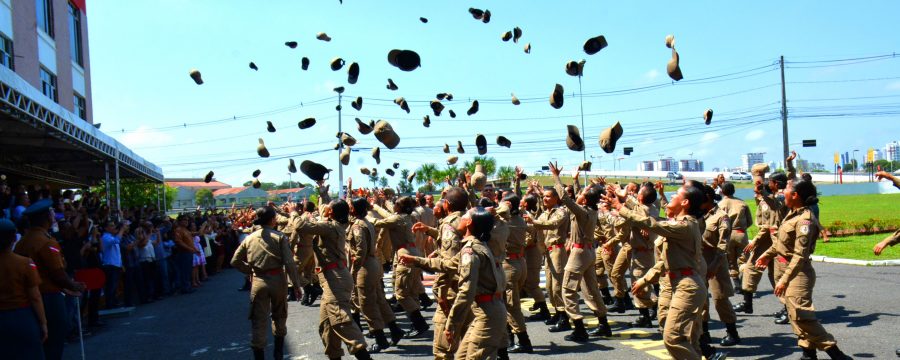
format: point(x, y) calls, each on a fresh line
point(855, 162)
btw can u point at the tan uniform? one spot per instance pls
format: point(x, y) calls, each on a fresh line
point(424, 242)
point(767, 222)
point(642, 255)
point(481, 284)
point(579, 270)
point(604, 259)
point(534, 260)
point(335, 323)
point(301, 244)
point(715, 242)
point(407, 280)
point(681, 259)
point(795, 242)
point(368, 292)
point(741, 220)
point(554, 224)
point(622, 260)
point(449, 242)
point(265, 254)
point(515, 270)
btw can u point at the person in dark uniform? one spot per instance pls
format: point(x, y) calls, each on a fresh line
point(23, 325)
point(46, 253)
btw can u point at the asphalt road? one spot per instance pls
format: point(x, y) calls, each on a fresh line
point(856, 304)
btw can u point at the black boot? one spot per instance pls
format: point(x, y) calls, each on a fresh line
point(553, 319)
point(258, 354)
point(357, 318)
point(307, 293)
point(362, 355)
point(397, 307)
point(420, 327)
point(654, 312)
point(396, 333)
point(607, 298)
point(524, 345)
point(579, 334)
point(809, 354)
point(738, 288)
point(705, 341)
point(316, 292)
point(731, 335)
point(278, 351)
point(644, 320)
point(424, 301)
point(392, 300)
point(782, 318)
point(629, 305)
point(602, 328)
point(291, 296)
point(562, 324)
point(502, 354)
point(510, 336)
point(618, 306)
point(381, 342)
point(543, 312)
point(837, 354)
point(534, 307)
point(746, 306)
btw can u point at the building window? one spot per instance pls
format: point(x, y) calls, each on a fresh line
point(80, 107)
point(45, 15)
point(75, 34)
point(6, 52)
point(48, 84)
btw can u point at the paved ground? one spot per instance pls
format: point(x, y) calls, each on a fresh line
point(856, 304)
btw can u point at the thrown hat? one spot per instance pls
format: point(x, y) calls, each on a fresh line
point(256, 173)
point(437, 107)
point(306, 123)
point(426, 121)
point(353, 73)
point(347, 139)
point(595, 44)
point(523, 176)
point(442, 96)
point(573, 139)
point(253, 66)
point(670, 41)
point(291, 44)
point(556, 97)
point(38, 206)
point(707, 116)
point(406, 60)
point(528, 48)
point(270, 127)
point(357, 104)
point(261, 149)
point(391, 85)
point(337, 63)
point(515, 100)
point(256, 184)
point(609, 136)
point(323, 36)
point(759, 171)
point(673, 68)
point(506, 36)
point(304, 63)
point(363, 128)
point(345, 156)
point(459, 148)
point(503, 141)
point(403, 104)
point(478, 14)
point(365, 171)
point(396, 165)
point(291, 167)
point(452, 114)
point(517, 34)
point(487, 17)
point(314, 170)
point(209, 177)
point(452, 160)
point(337, 145)
point(585, 166)
point(376, 154)
point(385, 133)
point(473, 109)
point(423, 20)
point(195, 74)
point(411, 177)
point(481, 144)
point(389, 172)
point(446, 149)
point(575, 68)
point(374, 172)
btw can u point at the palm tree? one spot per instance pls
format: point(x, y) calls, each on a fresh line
point(506, 173)
point(488, 163)
point(425, 172)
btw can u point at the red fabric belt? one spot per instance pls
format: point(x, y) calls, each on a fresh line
point(551, 247)
point(739, 231)
point(781, 259)
point(581, 246)
point(407, 245)
point(331, 266)
point(513, 256)
point(773, 231)
point(680, 272)
point(483, 298)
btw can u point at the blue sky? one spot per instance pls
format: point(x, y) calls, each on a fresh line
point(141, 53)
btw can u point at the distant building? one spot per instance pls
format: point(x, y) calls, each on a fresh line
point(666, 164)
point(295, 194)
point(244, 195)
point(186, 197)
point(686, 165)
point(802, 164)
point(816, 167)
point(892, 151)
point(645, 166)
point(749, 159)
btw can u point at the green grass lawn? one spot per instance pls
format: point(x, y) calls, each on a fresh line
point(856, 247)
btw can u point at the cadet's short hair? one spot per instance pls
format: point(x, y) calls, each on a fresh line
point(780, 180)
point(482, 223)
point(407, 204)
point(513, 203)
point(728, 188)
point(807, 192)
point(531, 202)
point(340, 211)
point(648, 193)
point(457, 199)
point(360, 207)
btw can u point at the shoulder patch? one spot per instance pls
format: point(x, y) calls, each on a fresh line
point(804, 229)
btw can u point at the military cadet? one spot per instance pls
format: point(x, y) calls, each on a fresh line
point(553, 223)
point(426, 216)
point(265, 255)
point(681, 260)
point(368, 292)
point(407, 280)
point(534, 260)
point(605, 256)
point(481, 285)
point(895, 237)
point(23, 325)
point(741, 220)
point(335, 322)
point(301, 243)
point(794, 242)
point(579, 270)
point(515, 269)
point(46, 254)
point(642, 259)
point(622, 238)
point(715, 242)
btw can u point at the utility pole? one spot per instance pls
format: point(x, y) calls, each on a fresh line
point(583, 129)
point(784, 113)
point(340, 91)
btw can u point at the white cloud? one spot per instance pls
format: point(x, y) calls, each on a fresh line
point(651, 75)
point(755, 135)
point(894, 86)
point(710, 136)
point(145, 136)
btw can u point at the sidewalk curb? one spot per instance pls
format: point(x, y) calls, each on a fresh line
point(855, 262)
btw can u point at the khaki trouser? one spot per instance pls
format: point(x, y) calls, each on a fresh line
point(619, 268)
point(368, 295)
point(600, 268)
point(306, 264)
point(268, 296)
point(556, 267)
point(681, 333)
point(720, 288)
point(642, 261)
point(735, 247)
point(407, 281)
point(580, 273)
point(482, 338)
point(533, 261)
point(798, 299)
point(663, 301)
point(752, 275)
point(515, 278)
point(336, 326)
